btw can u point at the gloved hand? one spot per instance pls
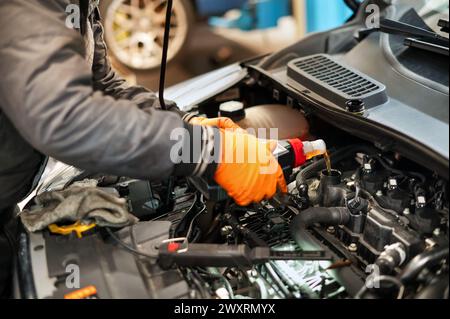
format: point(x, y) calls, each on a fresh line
point(220, 122)
point(248, 171)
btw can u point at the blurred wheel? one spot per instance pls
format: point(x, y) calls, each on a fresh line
point(134, 30)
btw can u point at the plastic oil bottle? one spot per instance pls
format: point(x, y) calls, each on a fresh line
point(317, 148)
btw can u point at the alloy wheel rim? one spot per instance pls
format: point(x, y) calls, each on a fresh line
point(135, 31)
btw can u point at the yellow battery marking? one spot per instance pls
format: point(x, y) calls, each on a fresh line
point(82, 293)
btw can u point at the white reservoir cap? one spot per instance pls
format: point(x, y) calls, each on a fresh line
point(232, 106)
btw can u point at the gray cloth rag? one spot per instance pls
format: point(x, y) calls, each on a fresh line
point(79, 202)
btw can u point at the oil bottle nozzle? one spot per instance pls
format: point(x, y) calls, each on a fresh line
point(314, 148)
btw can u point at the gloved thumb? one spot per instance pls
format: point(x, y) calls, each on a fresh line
point(272, 145)
point(227, 123)
point(281, 181)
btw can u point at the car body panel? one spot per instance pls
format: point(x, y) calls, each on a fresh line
point(416, 110)
point(192, 92)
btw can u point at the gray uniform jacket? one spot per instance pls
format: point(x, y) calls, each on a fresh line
point(55, 103)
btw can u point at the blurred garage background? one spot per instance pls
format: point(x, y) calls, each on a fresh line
point(207, 34)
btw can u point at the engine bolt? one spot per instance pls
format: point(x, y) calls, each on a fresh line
point(331, 230)
point(379, 193)
point(226, 231)
point(407, 212)
point(437, 232)
point(353, 248)
point(356, 106)
point(430, 243)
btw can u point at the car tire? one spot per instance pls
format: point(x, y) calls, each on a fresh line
point(146, 55)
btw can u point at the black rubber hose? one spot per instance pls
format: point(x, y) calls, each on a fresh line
point(353, 5)
point(165, 50)
point(338, 156)
point(436, 289)
point(24, 266)
point(420, 262)
point(317, 215)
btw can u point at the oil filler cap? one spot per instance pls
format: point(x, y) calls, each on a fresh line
point(233, 110)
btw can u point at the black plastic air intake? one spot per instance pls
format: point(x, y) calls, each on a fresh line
point(317, 215)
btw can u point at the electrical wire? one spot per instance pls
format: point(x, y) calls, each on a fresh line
point(189, 210)
point(199, 283)
point(419, 176)
point(190, 197)
point(127, 247)
point(191, 225)
point(220, 277)
point(360, 190)
point(277, 281)
point(377, 204)
point(165, 50)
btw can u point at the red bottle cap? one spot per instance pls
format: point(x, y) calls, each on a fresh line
point(299, 155)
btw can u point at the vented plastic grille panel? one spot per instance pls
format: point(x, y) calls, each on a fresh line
point(337, 76)
point(335, 81)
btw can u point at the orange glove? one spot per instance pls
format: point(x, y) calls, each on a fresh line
point(220, 122)
point(248, 171)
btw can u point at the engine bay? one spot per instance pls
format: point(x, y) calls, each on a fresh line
point(369, 220)
point(377, 221)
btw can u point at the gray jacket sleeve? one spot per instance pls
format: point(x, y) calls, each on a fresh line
point(48, 94)
point(106, 79)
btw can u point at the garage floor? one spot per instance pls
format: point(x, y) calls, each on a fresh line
point(211, 49)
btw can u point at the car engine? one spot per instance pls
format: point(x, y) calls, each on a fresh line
point(380, 220)
point(369, 220)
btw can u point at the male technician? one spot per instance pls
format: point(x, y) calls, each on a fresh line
point(59, 97)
